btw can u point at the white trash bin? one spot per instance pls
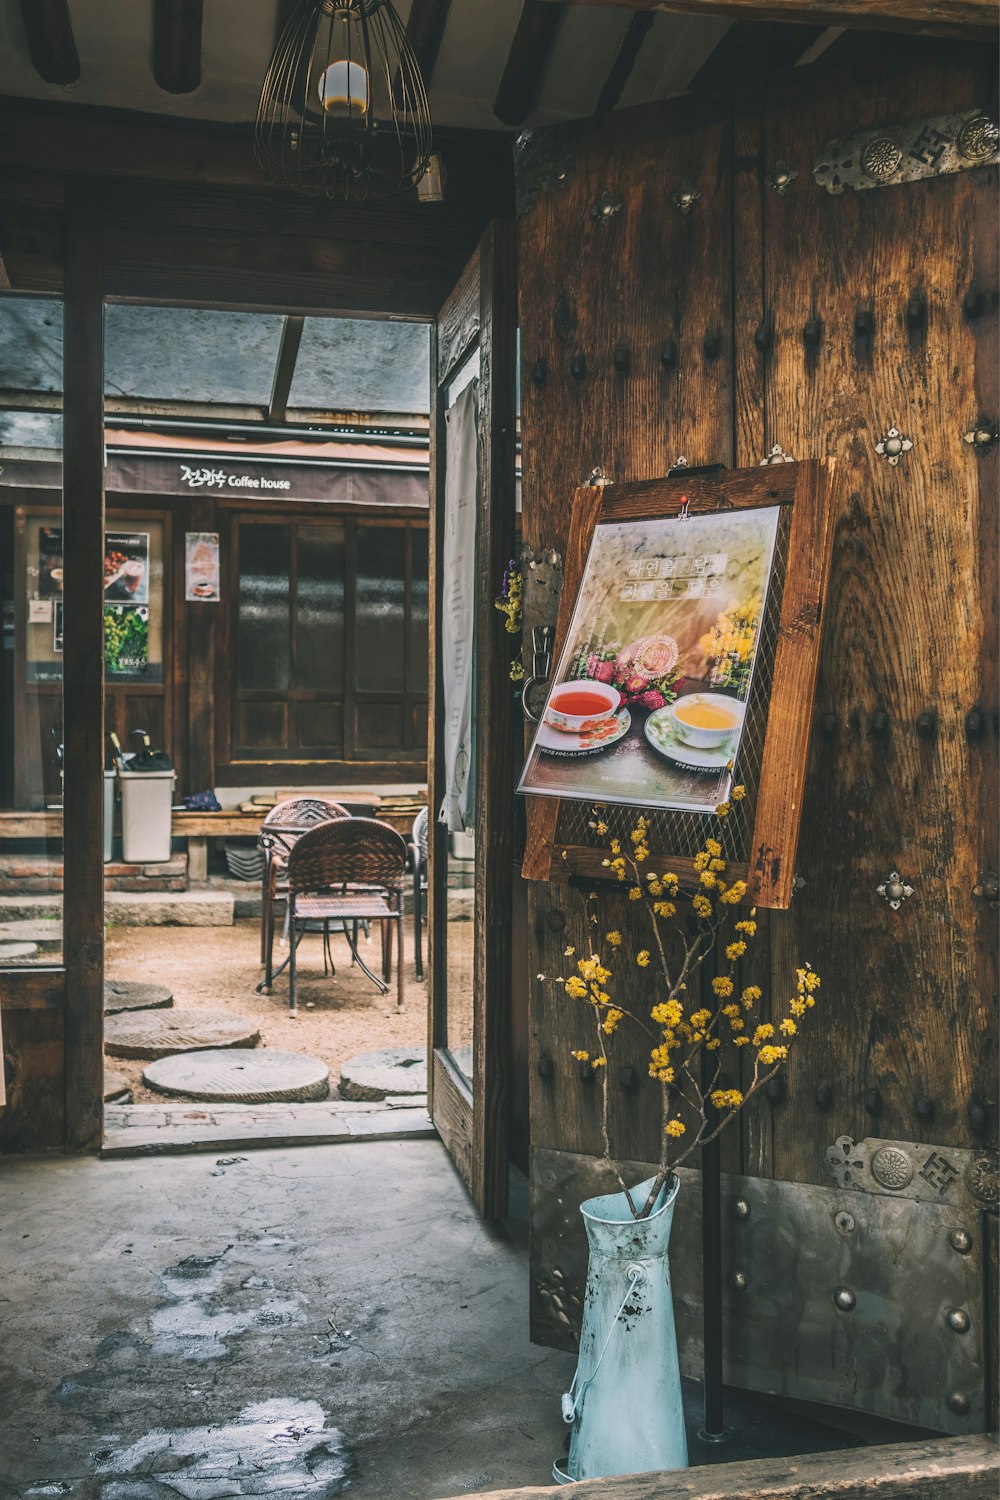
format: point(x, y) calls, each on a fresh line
point(147, 797)
point(109, 816)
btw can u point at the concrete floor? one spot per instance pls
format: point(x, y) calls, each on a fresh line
point(297, 1322)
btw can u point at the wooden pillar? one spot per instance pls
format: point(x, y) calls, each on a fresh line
point(200, 684)
point(83, 671)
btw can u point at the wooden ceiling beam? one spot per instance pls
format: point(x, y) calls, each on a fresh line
point(51, 43)
point(527, 61)
point(751, 48)
point(947, 18)
point(176, 60)
point(621, 69)
point(425, 30)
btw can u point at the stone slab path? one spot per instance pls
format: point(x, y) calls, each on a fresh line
point(155, 1129)
point(390, 1070)
point(163, 1033)
point(241, 1077)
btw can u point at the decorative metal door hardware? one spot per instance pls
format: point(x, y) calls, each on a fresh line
point(605, 206)
point(987, 888)
point(540, 372)
point(888, 155)
point(541, 573)
point(807, 1266)
point(685, 197)
point(894, 890)
point(541, 666)
point(668, 353)
point(762, 336)
point(892, 445)
point(578, 366)
point(929, 1174)
point(812, 332)
point(621, 358)
point(780, 178)
point(982, 436)
point(543, 163)
point(776, 455)
point(864, 323)
point(926, 723)
point(916, 310)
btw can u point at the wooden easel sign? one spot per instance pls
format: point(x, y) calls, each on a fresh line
point(687, 651)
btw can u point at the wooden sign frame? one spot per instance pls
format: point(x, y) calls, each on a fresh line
point(807, 489)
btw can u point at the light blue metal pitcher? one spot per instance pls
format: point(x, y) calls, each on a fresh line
point(625, 1401)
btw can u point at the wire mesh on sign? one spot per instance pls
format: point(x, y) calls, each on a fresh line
point(343, 110)
point(683, 834)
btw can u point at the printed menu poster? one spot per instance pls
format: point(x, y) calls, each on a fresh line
point(648, 699)
point(201, 566)
point(126, 567)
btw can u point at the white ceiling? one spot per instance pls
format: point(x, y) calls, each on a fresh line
point(113, 40)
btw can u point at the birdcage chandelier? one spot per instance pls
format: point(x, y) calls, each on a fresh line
point(343, 109)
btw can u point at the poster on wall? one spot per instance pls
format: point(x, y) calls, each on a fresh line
point(50, 562)
point(201, 566)
point(649, 697)
point(57, 626)
point(126, 567)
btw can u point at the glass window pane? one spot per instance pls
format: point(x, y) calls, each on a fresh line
point(418, 612)
point(319, 608)
point(263, 626)
point(379, 617)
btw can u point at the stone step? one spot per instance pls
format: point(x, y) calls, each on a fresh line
point(17, 953)
point(135, 909)
point(392, 1071)
point(45, 932)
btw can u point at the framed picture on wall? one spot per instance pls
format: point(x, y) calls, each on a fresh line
point(687, 651)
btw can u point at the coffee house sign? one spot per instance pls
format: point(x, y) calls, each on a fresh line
point(219, 479)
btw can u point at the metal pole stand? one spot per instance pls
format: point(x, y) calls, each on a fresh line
point(714, 1429)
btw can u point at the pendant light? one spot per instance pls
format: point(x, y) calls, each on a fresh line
point(343, 110)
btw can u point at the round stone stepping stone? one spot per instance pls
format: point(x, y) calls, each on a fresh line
point(262, 1077)
point(123, 994)
point(116, 1087)
point(45, 934)
point(375, 1075)
point(13, 953)
point(151, 1033)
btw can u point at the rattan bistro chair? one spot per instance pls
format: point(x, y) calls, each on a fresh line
point(349, 871)
point(279, 832)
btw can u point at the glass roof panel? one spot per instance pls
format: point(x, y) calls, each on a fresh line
point(355, 364)
point(190, 354)
point(30, 344)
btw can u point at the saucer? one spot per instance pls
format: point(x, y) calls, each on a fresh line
point(664, 738)
point(559, 742)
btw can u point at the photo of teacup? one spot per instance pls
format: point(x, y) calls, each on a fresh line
point(706, 720)
point(580, 706)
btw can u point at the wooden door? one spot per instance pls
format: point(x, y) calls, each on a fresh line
point(674, 302)
point(470, 895)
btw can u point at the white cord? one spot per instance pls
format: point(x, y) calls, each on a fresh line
point(571, 1402)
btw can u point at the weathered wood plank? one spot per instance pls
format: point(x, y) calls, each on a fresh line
point(83, 670)
point(935, 1469)
point(37, 989)
point(176, 61)
point(527, 61)
point(51, 43)
point(926, 17)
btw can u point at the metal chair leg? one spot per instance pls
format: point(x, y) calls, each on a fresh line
point(400, 976)
point(418, 919)
point(291, 956)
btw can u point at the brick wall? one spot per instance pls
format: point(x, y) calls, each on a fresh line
point(40, 875)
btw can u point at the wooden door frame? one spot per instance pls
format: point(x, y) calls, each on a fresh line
point(473, 1122)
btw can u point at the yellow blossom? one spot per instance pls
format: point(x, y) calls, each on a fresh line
point(701, 1017)
point(599, 1062)
point(726, 1098)
point(741, 1041)
point(735, 893)
point(769, 1055)
point(567, 952)
point(750, 994)
point(610, 1021)
point(575, 987)
point(731, 1011)
point(642, 958)
point(735, 950)
point(788, 1027)
point(722, 810)
point(635, 893)
point(797, 1007)
point(718, 865)
point(667, 1013)
point(738, 793)
point(749, 928)
point(713, 1044)
point(581, 1056)
point(763, 1032)
point(702, 906)
point(701, 860)
point(655, 888)
point(614, 938)
point(602, 829)
point(707, 879)
point(737, 1024)
point(722, 985)
point(664, 908)
point(615, 846)
point(713, 847)
point(674, 1128)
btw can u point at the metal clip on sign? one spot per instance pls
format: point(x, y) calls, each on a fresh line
point(541, 667)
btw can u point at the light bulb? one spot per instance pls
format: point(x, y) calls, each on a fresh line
point(343, 89)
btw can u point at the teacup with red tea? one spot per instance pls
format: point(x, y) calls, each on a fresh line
point(581, 705)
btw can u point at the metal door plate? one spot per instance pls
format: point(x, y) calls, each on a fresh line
point(906, 1169)
point(829, 1295)
point(889, 155)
